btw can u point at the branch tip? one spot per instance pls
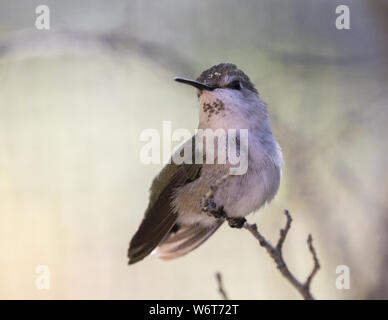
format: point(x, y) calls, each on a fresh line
point(274, 252)
point(221, 289)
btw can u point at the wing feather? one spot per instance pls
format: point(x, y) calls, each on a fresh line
point(160, 217)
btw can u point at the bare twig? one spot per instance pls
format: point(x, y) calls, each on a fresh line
point(221, 289)
point(277, 255)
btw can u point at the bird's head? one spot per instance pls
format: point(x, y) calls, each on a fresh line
point(226, 93)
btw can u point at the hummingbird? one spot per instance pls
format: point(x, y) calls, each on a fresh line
point(181, 215)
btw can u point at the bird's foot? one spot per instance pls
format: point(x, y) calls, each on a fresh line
point(211, 208)
point(236, 222)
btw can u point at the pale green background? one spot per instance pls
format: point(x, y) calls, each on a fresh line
point(74, 99)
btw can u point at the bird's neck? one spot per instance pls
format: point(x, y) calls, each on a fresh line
point(224, 111)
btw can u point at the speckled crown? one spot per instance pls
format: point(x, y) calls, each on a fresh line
point(220, 74)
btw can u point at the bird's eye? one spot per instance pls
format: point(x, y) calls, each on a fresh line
point(235, 84)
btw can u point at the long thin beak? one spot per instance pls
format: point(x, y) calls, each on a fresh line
point(198, 85)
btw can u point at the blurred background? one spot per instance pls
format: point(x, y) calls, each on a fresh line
point(74, 100)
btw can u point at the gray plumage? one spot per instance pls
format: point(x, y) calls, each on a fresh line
point(175, 223)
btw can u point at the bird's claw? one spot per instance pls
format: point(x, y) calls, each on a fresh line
point(236, 222)
point(211, 208)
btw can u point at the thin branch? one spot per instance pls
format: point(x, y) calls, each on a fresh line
point(221, 289)
point(316, 262)
point(277, 255)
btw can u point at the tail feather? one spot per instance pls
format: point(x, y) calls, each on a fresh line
point(186, 239)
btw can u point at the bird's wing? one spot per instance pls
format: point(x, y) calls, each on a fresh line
point(186, 239)
point(159, 217)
